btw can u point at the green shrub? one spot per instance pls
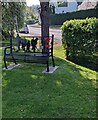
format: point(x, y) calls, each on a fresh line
point(58, 19)
point(79, 37)
point(5, 34)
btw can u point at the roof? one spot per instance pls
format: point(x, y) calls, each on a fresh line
point(88, 4)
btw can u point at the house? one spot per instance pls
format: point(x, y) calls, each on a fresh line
point(88, 4)
point(63, 6)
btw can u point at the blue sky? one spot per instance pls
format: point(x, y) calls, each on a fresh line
point(32, 2)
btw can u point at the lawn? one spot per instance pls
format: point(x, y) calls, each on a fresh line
point(70, 92)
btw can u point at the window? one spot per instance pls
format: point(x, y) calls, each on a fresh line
point(62, 3)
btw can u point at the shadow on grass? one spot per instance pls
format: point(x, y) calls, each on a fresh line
point(67, 93)
point(86, 61)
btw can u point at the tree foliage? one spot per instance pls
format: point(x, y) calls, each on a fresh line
point(29, 13)
point(11, 11)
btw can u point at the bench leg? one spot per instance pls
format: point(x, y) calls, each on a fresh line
point(53, 61)
point(14, 59)
point(47, 66)
point(5, 62)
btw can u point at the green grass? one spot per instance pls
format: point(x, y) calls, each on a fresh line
point(0, 83)
point(70, 92)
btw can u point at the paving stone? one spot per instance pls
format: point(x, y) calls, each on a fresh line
point(11, 66)
point(51, 69)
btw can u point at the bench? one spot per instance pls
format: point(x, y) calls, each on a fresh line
point(41, 53)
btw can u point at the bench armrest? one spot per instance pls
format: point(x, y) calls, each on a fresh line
point(5, 50)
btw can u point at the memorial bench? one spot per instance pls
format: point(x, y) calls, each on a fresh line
point(41, 54)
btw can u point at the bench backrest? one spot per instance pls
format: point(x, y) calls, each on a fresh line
point(34, 43)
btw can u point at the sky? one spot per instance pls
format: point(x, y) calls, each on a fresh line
point(32, 2)
point(36, 2)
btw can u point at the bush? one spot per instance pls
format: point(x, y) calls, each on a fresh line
point(58, 19)
point(5, 34)
point(79, 38)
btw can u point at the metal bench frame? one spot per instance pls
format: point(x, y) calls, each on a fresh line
point(39, 57)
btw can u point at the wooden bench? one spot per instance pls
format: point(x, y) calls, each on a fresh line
point(41, 54)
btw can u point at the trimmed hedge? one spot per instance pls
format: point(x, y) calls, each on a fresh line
point(80, 38)
point(58, 19)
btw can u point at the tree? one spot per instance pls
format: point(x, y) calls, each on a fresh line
point(10, 11)
point(29, 14)
point(44, 15)
point(44, 19)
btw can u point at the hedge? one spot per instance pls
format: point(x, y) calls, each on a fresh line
point(80, 37)
point(58, 19)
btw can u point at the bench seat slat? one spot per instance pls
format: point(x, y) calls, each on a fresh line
point(30, 58)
